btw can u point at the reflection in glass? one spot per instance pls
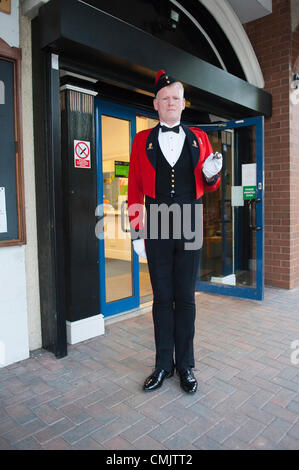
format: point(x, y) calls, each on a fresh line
point(146, 293)
point(229, 249)
point(118, 254)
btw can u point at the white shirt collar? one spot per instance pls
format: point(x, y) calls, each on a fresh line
point(164, 124)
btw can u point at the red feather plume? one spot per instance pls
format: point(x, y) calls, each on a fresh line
point(159, 74)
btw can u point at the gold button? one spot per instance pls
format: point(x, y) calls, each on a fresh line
point(166, 77)
point(172, 186)
point(168, 81)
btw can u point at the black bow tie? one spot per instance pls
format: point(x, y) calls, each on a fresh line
point(175, 129)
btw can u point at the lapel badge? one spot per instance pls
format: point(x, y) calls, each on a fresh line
point(194, 144)
point(150, 146)
point(200, 141)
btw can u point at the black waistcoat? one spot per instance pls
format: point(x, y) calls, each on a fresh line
point(177, 180)
point(181, 180)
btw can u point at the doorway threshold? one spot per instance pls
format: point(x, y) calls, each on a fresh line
point(135, 312)
point(144, 308)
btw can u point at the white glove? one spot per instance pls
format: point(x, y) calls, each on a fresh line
point(139, 247)
point(212, 165)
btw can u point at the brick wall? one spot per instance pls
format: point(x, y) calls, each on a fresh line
point(294, 158)
point(276, 48)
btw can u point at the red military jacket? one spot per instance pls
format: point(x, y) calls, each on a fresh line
point(142, 170)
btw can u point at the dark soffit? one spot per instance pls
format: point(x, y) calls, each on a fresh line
point(74, 29)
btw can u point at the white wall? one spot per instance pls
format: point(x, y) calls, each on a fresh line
point(14, 345)
point(30, 7)
point(13, 307)
point(251, 10)
point(9, 25)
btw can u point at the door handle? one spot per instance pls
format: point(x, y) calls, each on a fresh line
point(122, 217)
point(250, 203)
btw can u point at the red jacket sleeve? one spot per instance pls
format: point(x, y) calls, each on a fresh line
point(135, 192)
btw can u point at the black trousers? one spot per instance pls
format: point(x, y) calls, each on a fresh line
point(173, 271)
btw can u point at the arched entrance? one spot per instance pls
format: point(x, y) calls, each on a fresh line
point(119, 64)
point(233, 28)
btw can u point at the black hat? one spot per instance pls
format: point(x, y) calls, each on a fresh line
point(162, 80)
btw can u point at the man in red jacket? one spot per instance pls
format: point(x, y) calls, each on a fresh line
point(171, 166)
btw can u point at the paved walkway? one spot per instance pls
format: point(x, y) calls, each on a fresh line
point(248, 394)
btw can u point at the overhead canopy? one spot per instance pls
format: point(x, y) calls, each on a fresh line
point(122, 54)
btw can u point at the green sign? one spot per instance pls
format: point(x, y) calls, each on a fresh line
point(121, 169)
point(249, 192)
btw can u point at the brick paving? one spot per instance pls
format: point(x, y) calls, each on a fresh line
point(247, 398)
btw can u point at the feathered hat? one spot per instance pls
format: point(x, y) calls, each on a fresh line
point(162, 80)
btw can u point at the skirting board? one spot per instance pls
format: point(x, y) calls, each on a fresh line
point(87, 328)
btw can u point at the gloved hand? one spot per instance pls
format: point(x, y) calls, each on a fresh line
point(139, 247)
point(212, 165)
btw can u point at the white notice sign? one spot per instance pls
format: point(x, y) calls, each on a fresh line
point(237, 196)
point(3, 219)
point(249, 174)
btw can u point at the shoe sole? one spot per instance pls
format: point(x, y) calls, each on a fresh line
point(190, 392)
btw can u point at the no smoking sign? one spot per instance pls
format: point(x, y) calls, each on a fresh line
point(82, 154)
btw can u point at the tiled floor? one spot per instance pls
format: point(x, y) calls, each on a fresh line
point(248, 394)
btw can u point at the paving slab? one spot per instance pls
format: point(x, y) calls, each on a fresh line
point(247, 398)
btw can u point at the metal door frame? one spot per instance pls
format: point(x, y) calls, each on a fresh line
point(120, 112)
point(107, 108)
point(256, 293)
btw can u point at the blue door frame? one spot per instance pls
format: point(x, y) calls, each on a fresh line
point(107, 108)
point(117, 306)
point(256, 293)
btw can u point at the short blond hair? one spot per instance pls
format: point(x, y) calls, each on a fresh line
point(180, 86)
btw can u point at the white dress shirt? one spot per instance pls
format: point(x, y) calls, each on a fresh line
point(171, 143)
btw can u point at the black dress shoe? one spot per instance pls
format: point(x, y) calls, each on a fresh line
point(188, 381)
point(155, 380)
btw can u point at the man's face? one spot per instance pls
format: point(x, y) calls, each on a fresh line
point(170, 103)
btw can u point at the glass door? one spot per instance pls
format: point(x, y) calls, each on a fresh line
point(146, 292)
point(124, 278)
point(119, 276)
point(232, 260)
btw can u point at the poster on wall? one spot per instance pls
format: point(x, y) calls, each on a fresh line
point(5, 6)
point(3, 217)
point(12, 204)
point(9, 206)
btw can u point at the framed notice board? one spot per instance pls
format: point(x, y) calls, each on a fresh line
point(12, 207)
